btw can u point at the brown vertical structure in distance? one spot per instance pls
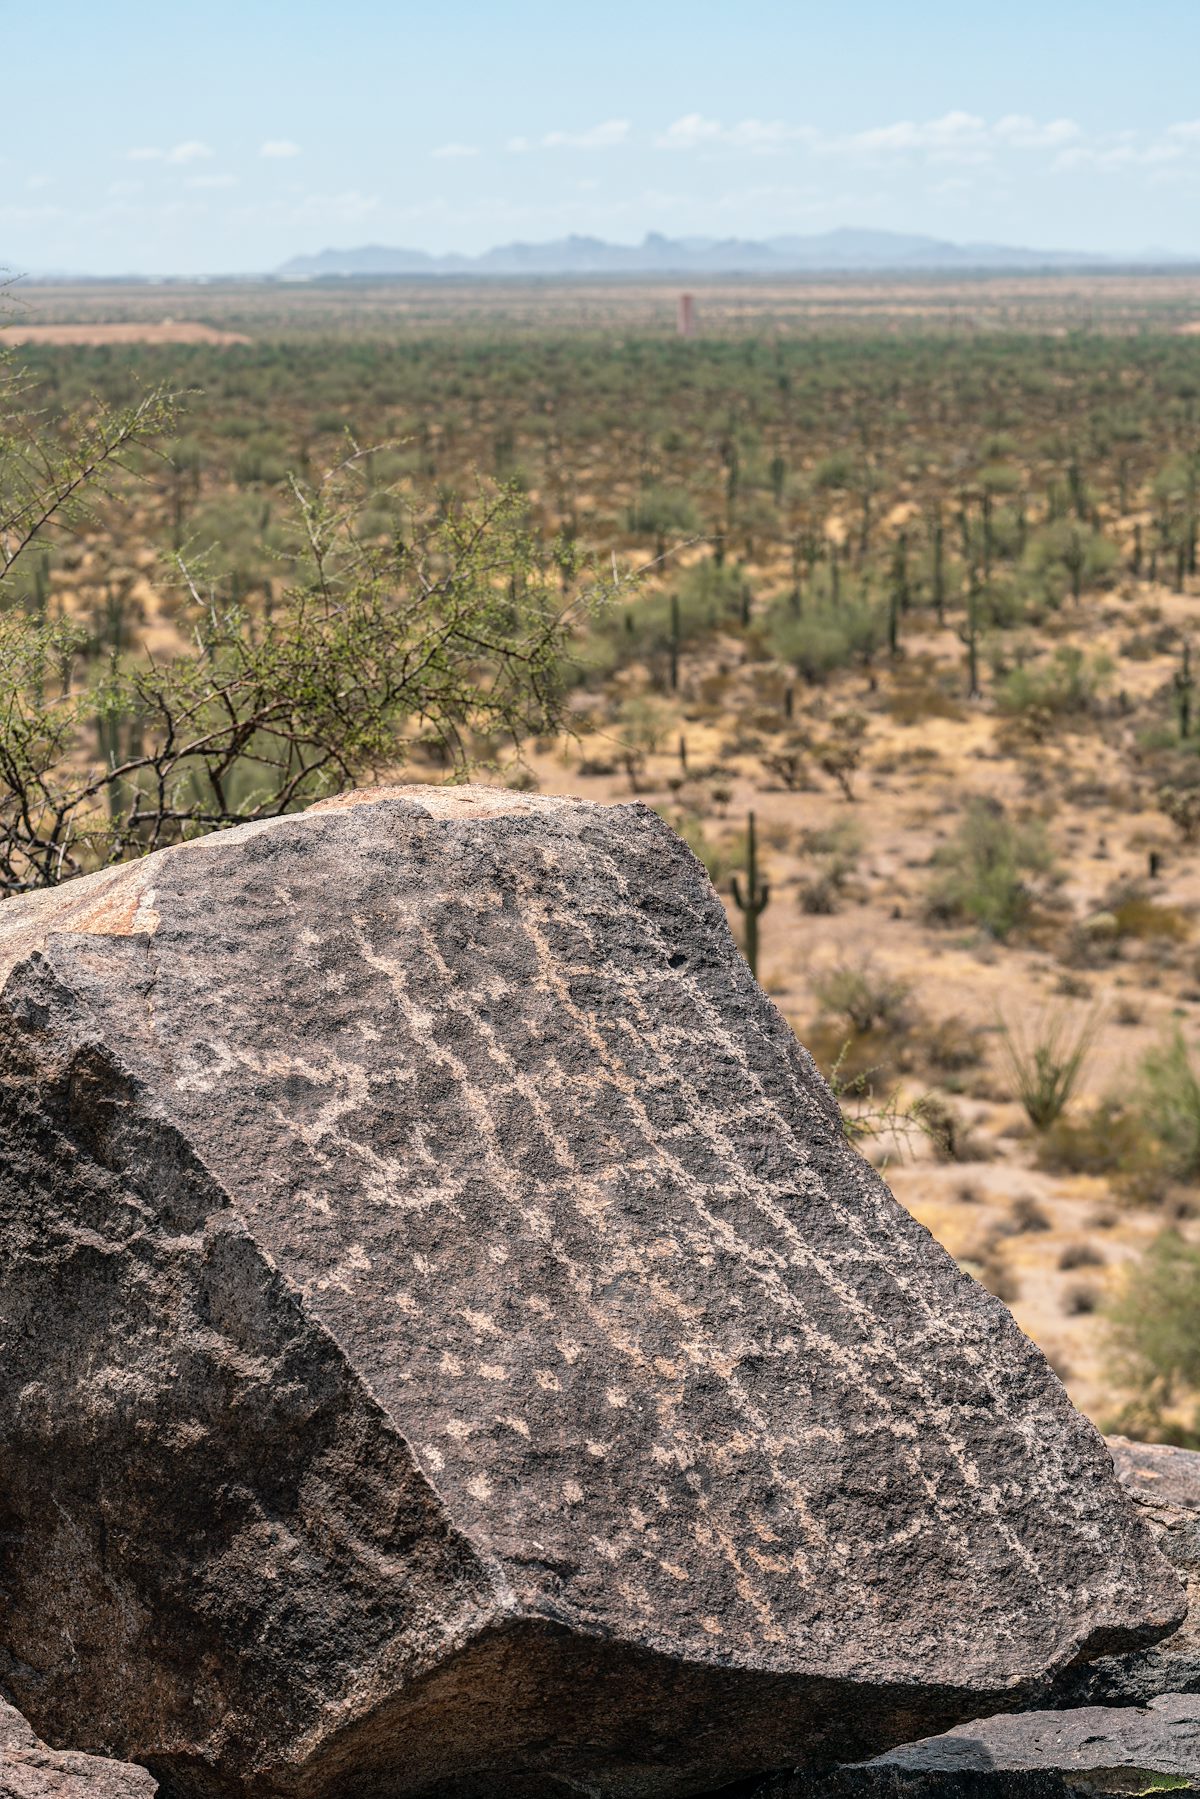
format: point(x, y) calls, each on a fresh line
point(685, 317)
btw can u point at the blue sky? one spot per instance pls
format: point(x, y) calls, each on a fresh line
point(183, 138)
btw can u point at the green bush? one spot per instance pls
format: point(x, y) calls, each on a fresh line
point(1154, 1329)
point(1065, 686)
point(983, 871)
point(1166, 1097)
point(819, 642)
point(660, 513)
point(1067, 557)
point(863, 997)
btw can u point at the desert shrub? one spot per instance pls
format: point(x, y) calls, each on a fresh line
point(1181, 804)
point(1154, 1333)
point(1066, 557)
point(1045, 1070)
point(983, 871)
point(834, 854)
point(1146, 920)
point(1106, 1139)
point(1144, 1141)
point(818, 642)
point(1065, 686)
point(1028, 1214)
point(1080, 1255)
point(838, 469)
point(788, 761)
point(864, 997)
point(951, 1046)
point(946, 1130)
point(661, 513)
point(1166, 1099)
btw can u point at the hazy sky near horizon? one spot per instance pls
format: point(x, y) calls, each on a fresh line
point(229, 136)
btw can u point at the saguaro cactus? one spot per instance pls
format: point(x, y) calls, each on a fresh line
point(751, 901)
point(968, 632)
point(1184, 685)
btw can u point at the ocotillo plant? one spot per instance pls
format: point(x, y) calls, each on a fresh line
point(753, 900)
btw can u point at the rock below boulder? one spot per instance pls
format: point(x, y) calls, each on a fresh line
point(1164, 1484)
point(28, 1770)
point(450, 1345)
point(1033, 1755)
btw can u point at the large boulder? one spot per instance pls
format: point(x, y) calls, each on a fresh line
point(451, 1347)
point(28, 1770)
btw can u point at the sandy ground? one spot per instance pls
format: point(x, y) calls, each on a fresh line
point(164, 331)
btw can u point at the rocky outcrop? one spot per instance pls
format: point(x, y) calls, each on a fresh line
point(28, 1770)
point(1164, 1484)
point(1033, 1755)
point(450, 1346)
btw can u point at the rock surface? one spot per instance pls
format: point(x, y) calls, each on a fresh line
point(28, 1770)
point(1031, 1755)
point(450, 1346)
point(1164, 1484)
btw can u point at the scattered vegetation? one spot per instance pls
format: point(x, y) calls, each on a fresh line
point(906, 566)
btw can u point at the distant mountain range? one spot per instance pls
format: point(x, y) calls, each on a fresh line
point(830, 252)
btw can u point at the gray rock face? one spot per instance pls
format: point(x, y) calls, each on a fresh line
point(28, 1770)
point(1164, 1484)
point(451, 1348)
point(1033, 1755)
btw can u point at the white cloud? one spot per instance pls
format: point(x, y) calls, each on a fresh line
point(39, 181)
point(606, 136)
point(694, 132)
point(278, 148)
point(191, 151)
point(447, 152)
point(349, 205)
point(954, 130)
point(212, 181)
point(1025, 133)
point(690, 132)
point(28, 215)
point(955, 136)
point(124, 190)
point(1108, 157)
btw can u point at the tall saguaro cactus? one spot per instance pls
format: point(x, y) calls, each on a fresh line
point(751, 901)
point(1184, 684)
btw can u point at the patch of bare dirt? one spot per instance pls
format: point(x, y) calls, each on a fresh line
point(165, 331)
